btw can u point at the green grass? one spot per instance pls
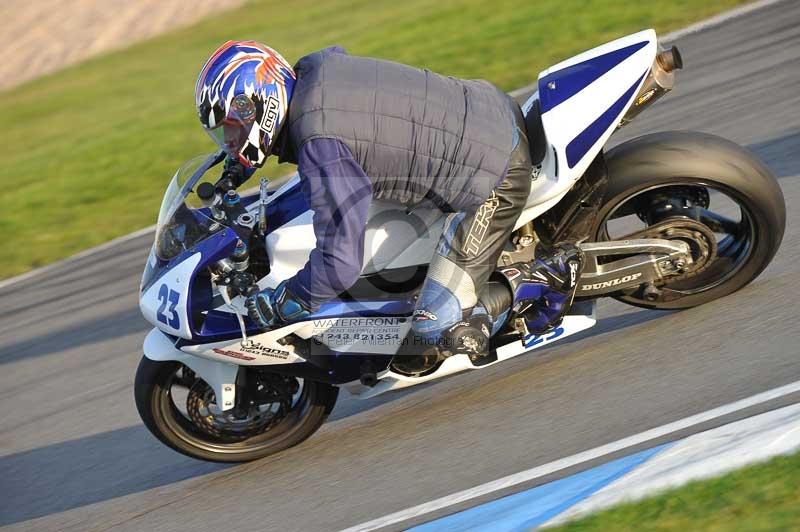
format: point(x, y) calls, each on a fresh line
point(86, 152)
point(759, 497)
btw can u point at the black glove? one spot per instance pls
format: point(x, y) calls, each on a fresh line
point(270, 307)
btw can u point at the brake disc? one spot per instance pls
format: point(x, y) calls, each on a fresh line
point(230, 424)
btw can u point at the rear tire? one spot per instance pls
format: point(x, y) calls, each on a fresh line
point(701, 160)
point(152, 391)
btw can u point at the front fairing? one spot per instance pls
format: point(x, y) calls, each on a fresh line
point(179, 294)
point(182, 220)
point(176, 290)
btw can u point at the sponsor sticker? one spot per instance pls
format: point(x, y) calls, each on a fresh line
point(612, 282)
point(480, 225)
point(423, 315)
point(232, 354)
point(255, 348)
point(252, 350)
point(573, 273)
point(378, 331)
point(270, 115)
point(645, 97)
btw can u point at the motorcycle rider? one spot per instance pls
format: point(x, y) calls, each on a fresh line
point(360, 128)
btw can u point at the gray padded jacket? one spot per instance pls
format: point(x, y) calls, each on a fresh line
point(417, 134)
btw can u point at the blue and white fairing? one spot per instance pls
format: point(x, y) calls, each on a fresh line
point(582, 101)
point(188, 240)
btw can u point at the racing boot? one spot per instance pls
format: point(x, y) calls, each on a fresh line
point(468, 337)
point(543, 289)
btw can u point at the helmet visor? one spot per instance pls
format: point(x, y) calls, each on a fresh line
point(231, 134)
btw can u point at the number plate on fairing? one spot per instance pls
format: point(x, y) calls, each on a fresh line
point(165, 303)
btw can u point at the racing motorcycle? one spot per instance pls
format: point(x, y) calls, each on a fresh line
point(667, 221)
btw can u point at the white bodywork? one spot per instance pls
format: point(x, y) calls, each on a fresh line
point(397, 238)
point(390, 380)
point(220, 376)
point(164, 310)
point(563, 123)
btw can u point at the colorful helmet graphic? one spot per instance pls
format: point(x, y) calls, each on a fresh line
point(242, 97)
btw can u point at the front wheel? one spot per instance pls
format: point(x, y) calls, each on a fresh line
point(180, 410)
point(704, 190)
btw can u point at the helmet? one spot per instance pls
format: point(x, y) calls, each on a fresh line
point(242, 97)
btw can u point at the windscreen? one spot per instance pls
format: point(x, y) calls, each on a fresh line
point(183, 221)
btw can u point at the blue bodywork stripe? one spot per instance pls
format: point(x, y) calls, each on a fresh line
point(534, 507)
point(580, 145)
point(571, 80)
point(212, 248)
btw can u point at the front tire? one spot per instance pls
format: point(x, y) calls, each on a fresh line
point(662, 163)
point(156, 384)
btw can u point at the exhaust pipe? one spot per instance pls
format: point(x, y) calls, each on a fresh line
point(670, 59)
point(659, 81)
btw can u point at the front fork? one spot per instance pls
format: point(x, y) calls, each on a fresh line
point(221, 377)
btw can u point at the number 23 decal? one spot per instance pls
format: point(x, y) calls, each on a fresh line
point(171, 298)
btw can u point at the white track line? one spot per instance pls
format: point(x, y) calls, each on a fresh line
point(694, 28)
point(575, 460)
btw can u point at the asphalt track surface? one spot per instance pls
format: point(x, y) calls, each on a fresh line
point(74, 455)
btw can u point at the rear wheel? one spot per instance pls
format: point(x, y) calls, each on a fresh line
point(701, 189)
point(180, 410)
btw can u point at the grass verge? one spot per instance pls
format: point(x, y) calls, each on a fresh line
point(759, 497)
point(87, 151)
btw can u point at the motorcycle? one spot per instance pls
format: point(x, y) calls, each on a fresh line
point(214, 387)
